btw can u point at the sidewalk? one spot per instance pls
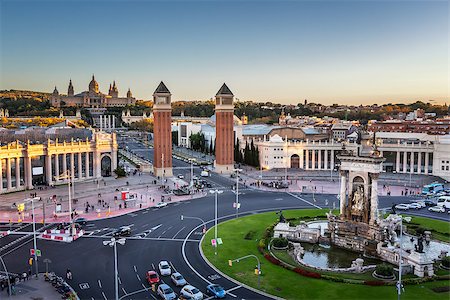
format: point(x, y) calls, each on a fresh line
point(32, 289)
point(103, 198)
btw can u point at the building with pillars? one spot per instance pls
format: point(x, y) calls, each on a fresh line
point(224, 162)
point(416, 153)
point(162, 131)
point(92, 97)
point(25, 165)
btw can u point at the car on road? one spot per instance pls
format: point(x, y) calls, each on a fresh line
point(81, 221)
point(122, 231)
point(181, 192)
point(216, 291)
point(161, 204)
point(437, 208)
point(164, 268)
point(427, 202)
point(178, 279)
point(204, 173)
point(181, 176)
point(152, 277)
point(416, 205)
point(402, 206)
point(166, 292)
point(195, 177)
point(191, 291)
point(444, 201)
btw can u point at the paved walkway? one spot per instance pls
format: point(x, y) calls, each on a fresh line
point(103, 197)
point(32, 289)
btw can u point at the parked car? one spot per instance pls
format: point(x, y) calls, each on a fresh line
point(444, 201)
point(428, 202)
point(81, 221)
point(216, 291)
point(152, 277)
point(192, 291)
point(161, 204)
point(437, 208)
point(123, 231)
point(178, 279)
point(402, 206)
point(164, 268)
point(181, 176)
point(166, 292)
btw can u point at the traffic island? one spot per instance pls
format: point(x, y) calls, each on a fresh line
point(243, 236)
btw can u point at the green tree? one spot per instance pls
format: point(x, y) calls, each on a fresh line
point(175, 138)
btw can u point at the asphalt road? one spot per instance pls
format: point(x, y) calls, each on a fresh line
point(159, 234)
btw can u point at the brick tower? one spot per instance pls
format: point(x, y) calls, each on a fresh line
point(162, 131)
point(224, 131)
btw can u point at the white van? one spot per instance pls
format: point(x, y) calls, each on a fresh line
point(204, 173)
point(444, 201)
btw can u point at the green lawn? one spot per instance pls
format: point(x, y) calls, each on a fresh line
point(440, 230)
point(284, 283)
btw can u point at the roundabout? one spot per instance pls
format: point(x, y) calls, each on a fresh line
point(279, 280)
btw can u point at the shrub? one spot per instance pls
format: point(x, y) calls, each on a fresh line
point(384, 270)
point(441, 289)
point(446, 261)
point(250, 235)
point(120, 172)
point(280, 242)
point(272, 259)
point(307, 273)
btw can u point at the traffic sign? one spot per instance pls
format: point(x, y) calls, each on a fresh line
point(32, 252)
point(213, 242)
point(219, 241)
point(38, 252)
point(21, 207)
point(35, 251)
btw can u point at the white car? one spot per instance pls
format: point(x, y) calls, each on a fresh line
point(181, 176)
point(164, 268)
point(204, 173)
point(402, 206)
point(178, 279)
point(166, 292)
point(161, 204)
point(415, 205)
point(191, 292)
point(437, 209)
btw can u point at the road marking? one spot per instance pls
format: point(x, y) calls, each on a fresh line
point(144, 286)
point(138, 277)
point(173, 267)
point(132, 215)
point(135, 269)
point(125, 292)
point(120, 281)
point(104, 296)
point(145, 225)
point(99, 283)
point(300, 198)
point(179, 232)
point(278, 199)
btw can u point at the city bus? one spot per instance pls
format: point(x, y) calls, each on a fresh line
point(432, 188)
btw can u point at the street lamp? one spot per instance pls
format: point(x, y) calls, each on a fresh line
point(195, 218)
point(192, 175)
point(113, 243)
point(399, 282)
point(215, 192)
point(237, 189)
point(69, 176)
point(230, 262)
point(34, 235)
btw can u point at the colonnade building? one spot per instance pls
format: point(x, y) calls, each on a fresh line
point(26, 165)
point(416, 153)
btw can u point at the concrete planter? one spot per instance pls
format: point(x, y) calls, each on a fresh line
point(381, 277)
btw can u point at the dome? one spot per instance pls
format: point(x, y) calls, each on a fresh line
point(93, 85)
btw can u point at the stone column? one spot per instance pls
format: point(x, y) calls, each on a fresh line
point(411, 163)
point(374, 199)
point(319, 160)
point(86, 162)
point(1, 175)
point(101, 122)
point(332, 160)
point(80, 166)
point(65, 165)
point(313, 159)
point(72, 165)
point(427, 161)
point(57, 172)
point(326, 160)
point(307, 159)
point(17, 172)
point(405, 159)
point(301, 159)
point(8, 174)
point(113, 122)
point(28, 173)
point(97, 165)
point(48, 169)
point(113, 160)
point(419, 162)
point(342, 192)
point(397, 164)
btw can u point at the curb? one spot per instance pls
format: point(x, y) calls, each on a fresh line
point(228, 277)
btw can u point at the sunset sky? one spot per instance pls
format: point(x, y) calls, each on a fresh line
point(349, 52)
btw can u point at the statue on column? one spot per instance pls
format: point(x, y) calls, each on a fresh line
point(357, 203)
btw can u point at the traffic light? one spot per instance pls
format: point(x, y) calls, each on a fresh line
point(30, 261)
point(153, 287)
point(230, 262)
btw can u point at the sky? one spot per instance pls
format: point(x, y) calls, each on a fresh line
point(346, 52)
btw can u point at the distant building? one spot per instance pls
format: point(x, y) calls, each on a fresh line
point(436, 127)
point(92, 98)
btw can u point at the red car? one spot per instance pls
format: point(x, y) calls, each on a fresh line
point(152, 277)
